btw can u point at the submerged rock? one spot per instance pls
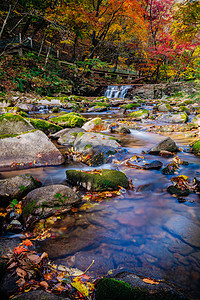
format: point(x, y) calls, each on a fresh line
point(49, 200)
point(11, 124)
point(102, 180)
point(178, 191)
point(166, 145)
point(154, 165)
point(96, 125)
point(17, 187)
point(28, 150)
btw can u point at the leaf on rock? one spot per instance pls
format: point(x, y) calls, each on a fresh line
point(150, 281)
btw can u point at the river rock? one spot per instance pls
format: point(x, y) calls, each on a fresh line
point(164, 107)
point(69, 120)
point(96, 125)
point(166, 145)
point(97, 146)
point(139, 115)
point(196, 148)
point(68, 137)
point(116, 128)
point(97, 108)
point(154, 165)
point(49, 200)
point(185, 229)
point(28, 150)
point(126, 286)
point(11, 124)
point(39, 295)
point(85, 141)
point(174, 190)
point(103, 180)
point(17, 187)
point(179, 117)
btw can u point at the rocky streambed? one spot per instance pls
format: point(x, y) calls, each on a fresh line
point(134, 211)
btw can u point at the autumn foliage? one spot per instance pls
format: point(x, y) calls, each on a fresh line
point(158, 39)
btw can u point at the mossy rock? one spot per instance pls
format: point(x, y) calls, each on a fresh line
point(131, 105)
point(69, 120)
point(196, 148)
point(139, 114)
point(113, 289)
point(103, 181)
point(11, 124)
point(173, 190)
point(45, 126)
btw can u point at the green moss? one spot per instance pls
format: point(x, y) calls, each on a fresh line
point(184, 117)
point(108, 180)
point(131, 105)
point(88, 146)
point(28, 209)
point(45, 126)
point(23, 114)
point(139, 114)
point(11, 117)
point(112, 289)
point(97, 121)
point(80, 134)
point(100, 104)
point(70, 120)
point(196, 147)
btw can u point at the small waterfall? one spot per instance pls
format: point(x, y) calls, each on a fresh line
point(115, 91)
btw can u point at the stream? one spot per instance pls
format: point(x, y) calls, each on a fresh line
point(145, 231)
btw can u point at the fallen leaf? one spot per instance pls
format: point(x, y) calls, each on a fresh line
point(34, 258)
point(150, 281)
point(44, 284)
point(21, 272)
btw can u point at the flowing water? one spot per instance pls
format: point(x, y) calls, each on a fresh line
point(115, 91)
point(145, 231)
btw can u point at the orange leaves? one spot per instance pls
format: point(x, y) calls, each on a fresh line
point(18, 250)
point(150, 281)
point(27, 243)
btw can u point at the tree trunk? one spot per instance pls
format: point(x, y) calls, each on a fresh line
point(5, 21)
point(47, 57)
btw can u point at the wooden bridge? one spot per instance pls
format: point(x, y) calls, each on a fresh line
point(17, 46)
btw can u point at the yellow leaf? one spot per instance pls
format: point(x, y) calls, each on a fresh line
point(80, 287)
point(150, 281)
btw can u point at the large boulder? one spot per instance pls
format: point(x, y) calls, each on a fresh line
point(179, 117)
point(96, 146)
point(49, 200)
point(11, 124)
point(28, 150)
point(69, 120)
point(96, 125)
point(139, 115)
point(102, 180)
point(166, 145)
point(17, 187)
point(68, 136)
point(97, 108)
point(86, 141)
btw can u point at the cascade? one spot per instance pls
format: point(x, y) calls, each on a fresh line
point(115, 91)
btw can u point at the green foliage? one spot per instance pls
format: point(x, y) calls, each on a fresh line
point(14, 203)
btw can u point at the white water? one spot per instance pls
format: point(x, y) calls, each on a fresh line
point(115, 91)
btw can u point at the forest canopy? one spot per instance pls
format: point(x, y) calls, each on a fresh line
point(157, 38)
